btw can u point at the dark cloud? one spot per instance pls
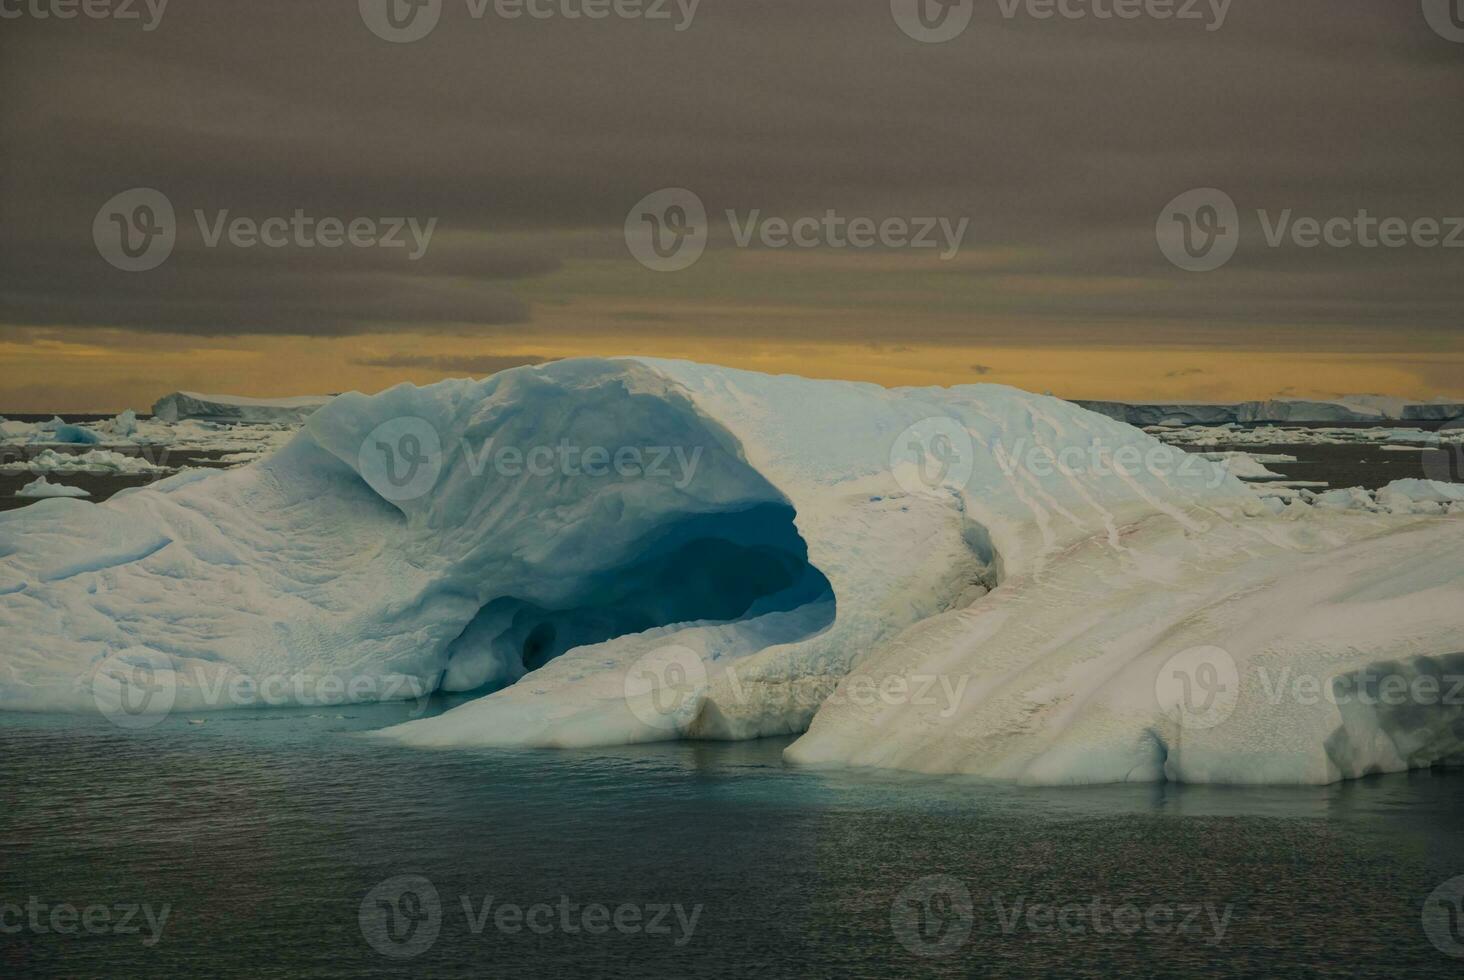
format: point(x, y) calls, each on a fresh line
point(529, 140)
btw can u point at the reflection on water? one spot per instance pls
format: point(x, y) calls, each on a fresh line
point(278, 841)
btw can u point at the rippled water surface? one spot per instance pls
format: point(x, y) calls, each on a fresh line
point(279, 841)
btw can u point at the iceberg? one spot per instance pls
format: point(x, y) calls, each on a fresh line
point(1352, 408)
point(41, 488)
point(969, 580)
point(182, 405)
point(56, 432)
point(1434, 412)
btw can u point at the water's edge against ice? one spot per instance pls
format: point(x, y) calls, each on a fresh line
point(862, 577)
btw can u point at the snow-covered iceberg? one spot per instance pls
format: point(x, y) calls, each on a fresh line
point(182, 405)
point(973, 580)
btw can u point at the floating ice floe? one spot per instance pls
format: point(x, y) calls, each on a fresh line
point(968, 580)
point(94, 461)
point(1250, 466)
point(57, 431)
point(1270, 435)
point(1401, 497)
point(1352, 408)
point(41, 488)
point(240, 442)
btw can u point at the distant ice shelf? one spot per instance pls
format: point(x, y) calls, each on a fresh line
point(235, 408)
point(1359, 409)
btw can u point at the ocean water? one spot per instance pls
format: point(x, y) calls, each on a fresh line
point(284, 843)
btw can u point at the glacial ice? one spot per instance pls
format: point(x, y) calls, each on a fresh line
point(40, 488)
point(969, 580)
point(182, 405)
point(1353, 408)
point(95, 461)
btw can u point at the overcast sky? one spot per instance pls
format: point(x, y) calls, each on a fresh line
point(524, 143)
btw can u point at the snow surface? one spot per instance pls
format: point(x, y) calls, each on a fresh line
point(805, 544)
